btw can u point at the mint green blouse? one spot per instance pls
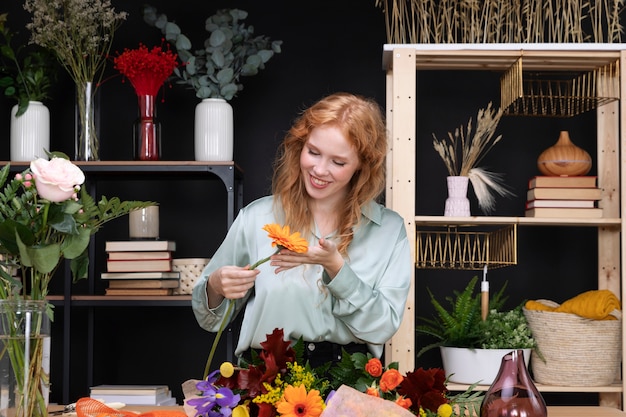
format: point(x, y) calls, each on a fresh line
point(364, 303)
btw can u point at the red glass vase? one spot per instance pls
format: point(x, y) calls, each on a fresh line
point(513, 393)
point(147, 131)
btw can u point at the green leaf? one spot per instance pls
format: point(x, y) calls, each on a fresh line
point(75, 245)
point(45, 259)
point(80, 267)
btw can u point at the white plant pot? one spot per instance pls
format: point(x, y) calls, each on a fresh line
point(469, 366)
point(213, 130)
point(30, 133)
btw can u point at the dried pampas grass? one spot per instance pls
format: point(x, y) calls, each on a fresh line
point(462, 151)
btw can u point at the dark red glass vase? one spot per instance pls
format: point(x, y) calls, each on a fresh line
point(513, 393)
point(147, 131)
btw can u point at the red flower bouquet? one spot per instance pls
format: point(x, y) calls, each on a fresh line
point(146, 70)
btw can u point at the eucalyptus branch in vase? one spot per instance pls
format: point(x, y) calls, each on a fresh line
point(463, 150)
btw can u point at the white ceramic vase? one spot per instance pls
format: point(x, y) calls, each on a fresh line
point(213, 130)
point(457, 203)
point(469, 366)
point(30, 132)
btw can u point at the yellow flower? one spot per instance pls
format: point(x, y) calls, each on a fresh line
point(227, 369)
point(444, 410)
point(241, 411)
point(281, 237)
point(297, 402)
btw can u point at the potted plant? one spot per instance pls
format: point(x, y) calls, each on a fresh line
point(471, 347)
point(231, 51)
point(26, 75)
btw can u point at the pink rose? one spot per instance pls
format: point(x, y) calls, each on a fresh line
point(56, 179)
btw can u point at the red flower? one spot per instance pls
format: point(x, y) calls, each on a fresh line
point(374, 367)
point(146, 69)
point(425, 388)
point(390, 380)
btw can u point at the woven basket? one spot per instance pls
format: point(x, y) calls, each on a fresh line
point(190, 270)
point(577, 351)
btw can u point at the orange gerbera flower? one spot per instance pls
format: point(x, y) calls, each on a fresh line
point(281, 237)
point(296, 402)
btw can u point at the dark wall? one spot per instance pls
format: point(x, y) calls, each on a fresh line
point(328, 46)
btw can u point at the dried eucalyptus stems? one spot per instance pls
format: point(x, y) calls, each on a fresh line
point(502, 21)
point(462, 150)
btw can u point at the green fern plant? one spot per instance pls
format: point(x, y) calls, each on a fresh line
point(461, 324)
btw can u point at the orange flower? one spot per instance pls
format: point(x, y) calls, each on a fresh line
point(281, 237)
point(372, 391)
point(390, 380)
point(296, 402)
point(404, 402)
point(374, 367)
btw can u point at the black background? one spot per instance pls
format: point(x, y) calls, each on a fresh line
point(328, 46)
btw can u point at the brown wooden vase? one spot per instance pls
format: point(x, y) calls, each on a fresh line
point(564, 158)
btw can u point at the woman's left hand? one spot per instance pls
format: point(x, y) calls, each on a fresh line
point(325, 254)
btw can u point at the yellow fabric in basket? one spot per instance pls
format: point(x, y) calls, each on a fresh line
point(594, 304)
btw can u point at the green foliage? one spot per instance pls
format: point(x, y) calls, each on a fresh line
point(460, 325)
point(26, 73)
point(230, 52)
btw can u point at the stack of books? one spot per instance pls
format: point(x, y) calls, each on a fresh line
point(140, 267)
point(563, 197)
point(133, 394)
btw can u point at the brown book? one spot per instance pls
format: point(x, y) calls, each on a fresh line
point(139, 245)
point(561, 203)
point(564, 194)
point(144, 283)
point(140, 275)
point(589, 213)
point(138, 291)
point(129, 256)
point(156, 265)
point(563, 182)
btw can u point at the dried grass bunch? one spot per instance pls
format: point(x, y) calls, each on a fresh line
point(462, 150)
point(502, 21)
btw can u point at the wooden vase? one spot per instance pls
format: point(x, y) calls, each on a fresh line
point(564, 158)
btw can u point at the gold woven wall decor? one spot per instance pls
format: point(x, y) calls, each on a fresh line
point(502, 21)
point(466, 248)
point(557, 94)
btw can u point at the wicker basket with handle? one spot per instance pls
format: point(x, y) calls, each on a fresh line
point(577, 351)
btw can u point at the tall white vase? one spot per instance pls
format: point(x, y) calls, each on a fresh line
point(213, 130)
point(30, 132)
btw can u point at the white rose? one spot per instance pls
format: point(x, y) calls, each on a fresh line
point(56, 179)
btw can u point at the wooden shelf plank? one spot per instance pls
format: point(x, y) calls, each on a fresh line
point(501, 220)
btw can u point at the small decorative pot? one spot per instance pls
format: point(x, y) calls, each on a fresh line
point(457, 203)
point(213, 130)
point(30, 132)
point(564, 158)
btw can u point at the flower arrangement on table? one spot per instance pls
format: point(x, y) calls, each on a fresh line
point(80, 33)
point(461, 152)
point(147, 70)
point(277, 382)
point(230, 52)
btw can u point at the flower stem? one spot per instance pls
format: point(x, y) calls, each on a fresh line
point(231, 305)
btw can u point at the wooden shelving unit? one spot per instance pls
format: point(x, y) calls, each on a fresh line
point(401, 63)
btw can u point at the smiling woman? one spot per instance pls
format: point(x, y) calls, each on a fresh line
point(334, 296)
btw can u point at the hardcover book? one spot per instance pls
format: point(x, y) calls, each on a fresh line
point(139, 245)
point(129, 256)
point(144, 283)
point(138, 291)
point(564, 194)
point(156, 265)
point(129, 389)
point(561, 203)
point(140, 275)
point(563, 182)
point(589, 213)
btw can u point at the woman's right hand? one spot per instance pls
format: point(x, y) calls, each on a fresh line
point(230, 282)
